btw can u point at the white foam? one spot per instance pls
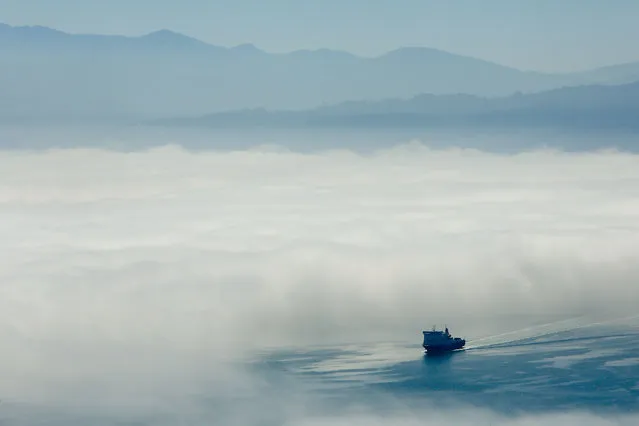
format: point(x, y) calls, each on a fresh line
point(626, 362)
point(566, 361)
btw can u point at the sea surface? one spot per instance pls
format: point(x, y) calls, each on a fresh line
point(593, 369)
point(360, 140)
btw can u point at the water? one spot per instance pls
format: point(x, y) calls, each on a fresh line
point(366, 141)
point(495, 380)
point(594, 369)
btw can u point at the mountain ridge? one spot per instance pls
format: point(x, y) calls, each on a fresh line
point(167, 34)
point(583, 106)
point(48, 72)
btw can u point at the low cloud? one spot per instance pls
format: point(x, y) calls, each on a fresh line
point(154, 268)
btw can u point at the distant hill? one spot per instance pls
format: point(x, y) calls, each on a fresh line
point(593, 106)
point(45, 73)
point(616, 74)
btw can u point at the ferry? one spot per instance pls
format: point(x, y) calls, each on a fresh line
point(436, 341)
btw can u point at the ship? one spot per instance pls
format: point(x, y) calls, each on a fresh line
point(437, 341)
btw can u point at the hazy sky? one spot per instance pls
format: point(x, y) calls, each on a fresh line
point(542, 34)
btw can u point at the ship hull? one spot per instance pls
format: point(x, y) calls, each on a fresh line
point(452, 346)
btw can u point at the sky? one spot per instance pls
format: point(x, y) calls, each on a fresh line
point(544, 35)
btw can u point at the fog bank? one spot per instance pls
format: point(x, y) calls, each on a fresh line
point(129, 274)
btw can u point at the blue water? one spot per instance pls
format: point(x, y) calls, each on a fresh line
point(593, 369)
